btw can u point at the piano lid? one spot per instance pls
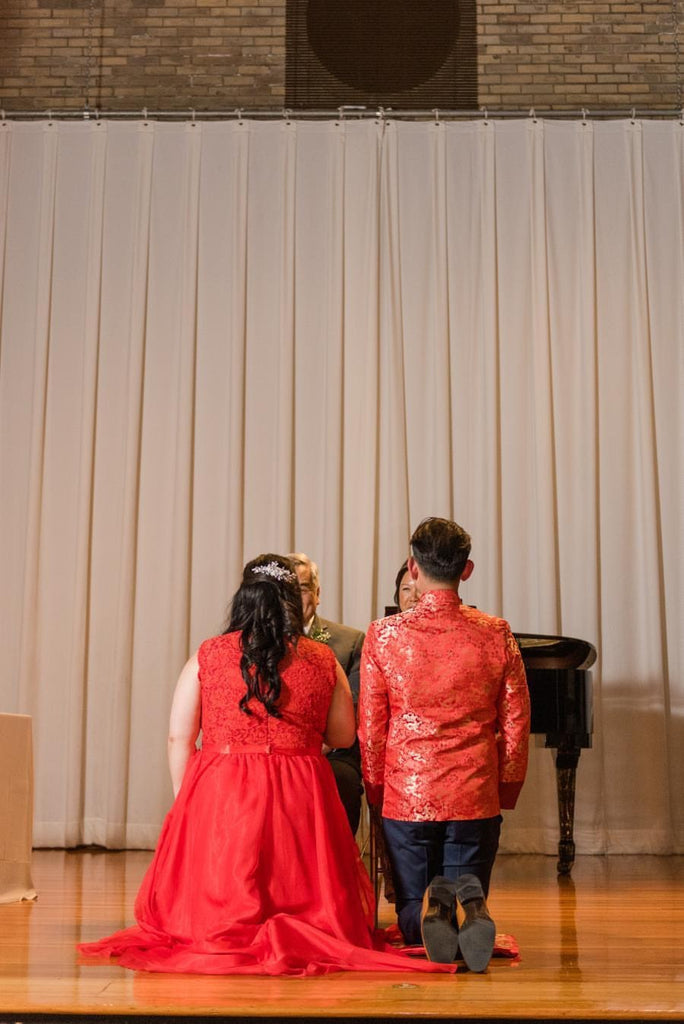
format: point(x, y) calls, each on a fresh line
point(555, 652)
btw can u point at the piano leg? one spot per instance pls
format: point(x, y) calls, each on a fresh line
point(567, 757)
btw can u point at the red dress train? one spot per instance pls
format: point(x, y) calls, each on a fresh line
point(256, 870)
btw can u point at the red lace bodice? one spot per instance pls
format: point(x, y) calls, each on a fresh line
point(308, 675)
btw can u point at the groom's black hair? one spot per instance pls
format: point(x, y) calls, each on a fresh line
point(441, 548)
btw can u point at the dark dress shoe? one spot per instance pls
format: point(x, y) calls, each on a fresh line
point(440, 937)
point(477, 931)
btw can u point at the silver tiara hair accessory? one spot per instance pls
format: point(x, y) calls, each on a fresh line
point(277, 572)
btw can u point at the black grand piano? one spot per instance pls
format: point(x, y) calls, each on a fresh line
point(559, 681)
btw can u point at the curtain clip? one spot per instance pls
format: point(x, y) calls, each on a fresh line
point(533, 115)
point(584, 115)
point(286, 114)
point(144, 114)
point(435, 111)
point(192, 117)
point(633, 115)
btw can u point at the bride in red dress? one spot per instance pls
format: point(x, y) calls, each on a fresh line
point(256, 870)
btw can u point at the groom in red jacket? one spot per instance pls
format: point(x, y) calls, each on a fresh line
point(444, 719)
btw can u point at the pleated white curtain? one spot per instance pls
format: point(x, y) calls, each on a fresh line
point(219, 339)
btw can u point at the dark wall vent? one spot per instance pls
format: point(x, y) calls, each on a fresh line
point(405, 54)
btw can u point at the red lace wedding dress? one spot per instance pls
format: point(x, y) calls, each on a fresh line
point(256, 870)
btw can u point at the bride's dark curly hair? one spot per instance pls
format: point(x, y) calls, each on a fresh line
point(267, 611)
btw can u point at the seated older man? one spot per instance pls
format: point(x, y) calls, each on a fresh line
point(346, 644)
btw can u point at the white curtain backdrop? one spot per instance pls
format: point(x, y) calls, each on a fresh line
point(220, 339)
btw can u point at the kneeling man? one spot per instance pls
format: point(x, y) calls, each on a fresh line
point(444, 719)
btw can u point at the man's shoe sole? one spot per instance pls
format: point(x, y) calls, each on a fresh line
point(440, 937)
point(477, 931)
point(476, 942)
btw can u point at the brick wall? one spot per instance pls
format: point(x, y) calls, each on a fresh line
point(172, 55)
point(569, 55)
point(128, 54)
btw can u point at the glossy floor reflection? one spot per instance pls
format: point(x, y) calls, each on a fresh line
point(606, 943)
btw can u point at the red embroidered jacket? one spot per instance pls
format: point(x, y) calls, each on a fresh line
point(444, 712)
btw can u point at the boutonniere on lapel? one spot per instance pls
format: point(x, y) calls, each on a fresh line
point(321, 634)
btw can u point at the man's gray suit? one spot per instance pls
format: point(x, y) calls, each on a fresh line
point(346, 644)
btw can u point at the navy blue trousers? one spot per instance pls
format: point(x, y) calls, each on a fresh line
point(419, 850)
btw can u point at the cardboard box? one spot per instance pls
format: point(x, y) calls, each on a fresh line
point(16, 808)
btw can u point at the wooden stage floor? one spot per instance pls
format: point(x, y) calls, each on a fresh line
point(606, 945)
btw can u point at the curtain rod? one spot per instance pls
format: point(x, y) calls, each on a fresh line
point(341, 113)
